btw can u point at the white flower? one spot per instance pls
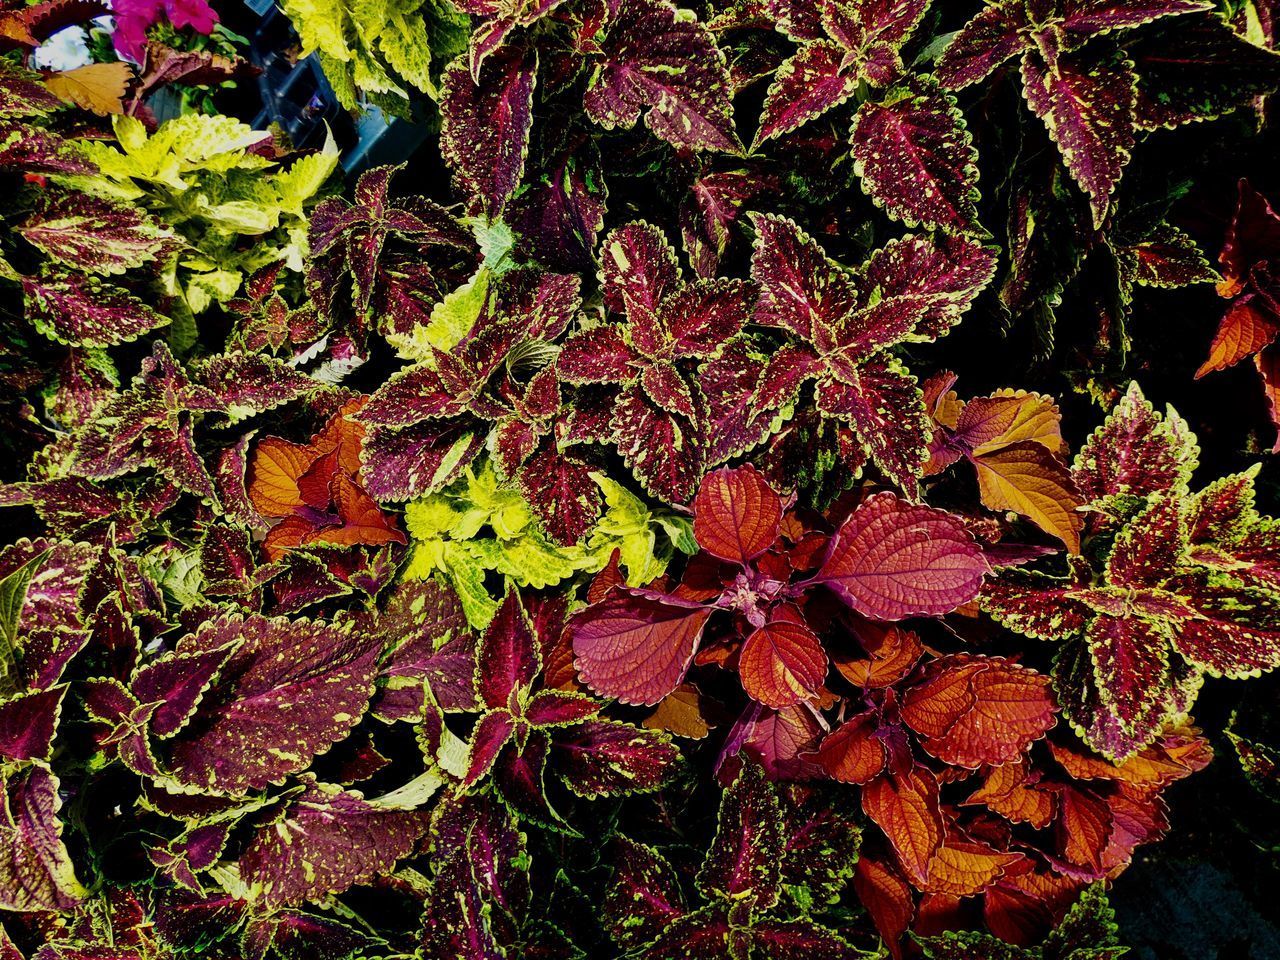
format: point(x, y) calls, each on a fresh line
point(65, 50)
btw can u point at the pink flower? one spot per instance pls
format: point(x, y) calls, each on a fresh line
point(135, 17)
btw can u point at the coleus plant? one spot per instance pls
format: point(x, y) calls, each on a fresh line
point(888, 560)
point(779, 859)
point(1252, 321)
point(1084, 89)
point(839, 329)
point(1170, 586)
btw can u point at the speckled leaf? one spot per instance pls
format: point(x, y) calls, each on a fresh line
point(607, 758)
point(743, 863)
point(916, 158)
point(85, 232)
point(644, 896)
point(800, 287)
point(290, 691)
point(892, 559)
point(36, 872)
point(812, 81)
point(985, 42)
point(403, 464)
point(1135, 452)
point(1087, 103)
point(80, 310)
point(663, 450)
point(668, 67)
point(324, 841)
point(561, 492)
point(485, 126)
point(1197, 68)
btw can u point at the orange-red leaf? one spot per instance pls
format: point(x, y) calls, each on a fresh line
point(1245, 328)
point(963, 868)
point(852, 753)
point(736, 514)
point(363, 521)
point(905, 806)
point(782, 663)
point(887, 897)
point(997, 710)
point(1028, 479)
point(1008, 792)
point(274, 474)
point(1084, 828)
point(891, 653)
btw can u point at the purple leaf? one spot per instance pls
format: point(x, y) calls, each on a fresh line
point(916, 158)
point(667, 67)
point(484, 132)
point(324, 841)
point(644, 897)
point(85, 232)
point(812, 81)
point(891, 560)
point(289, 691)
point(28, 722)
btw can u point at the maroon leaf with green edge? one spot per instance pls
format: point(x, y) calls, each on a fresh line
point(705, 932)
point(289, 691)
point(713, 206)
point(812, 81)
point(635, 645)
point(1236, 631)
point(1197, 68)
point(607, 758)
point(80, 310)
point(916, 158)
point(667, 67)
point(822, 842)
point(482, 833)
point(743, 864)
point(85, 232)
point(1085, 19)
point(928, 283)
point(507, 657)
point(892, 559)
point(249, 383)
point(561, 492)
point(1130, 658)
point(1087, 103)
point(643, 897)
point(324, 841)
point(35, 150)
point(1166, 258)
point(426, 638)
point(664, 450)
point(36, 871)
point(1136, 452)
point(801, 939)
point(403, 464)
point(885, 408)
point(485, 125)
point(800, 288)
point(177, 682)
point(28, 723)
point(991, 38)
point(22, 94)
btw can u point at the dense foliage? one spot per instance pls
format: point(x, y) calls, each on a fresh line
point(708, 501)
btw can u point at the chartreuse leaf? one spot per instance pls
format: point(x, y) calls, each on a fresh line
point(13, 594)
point(479, 525)
point(631, 528)
point(236, 210)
